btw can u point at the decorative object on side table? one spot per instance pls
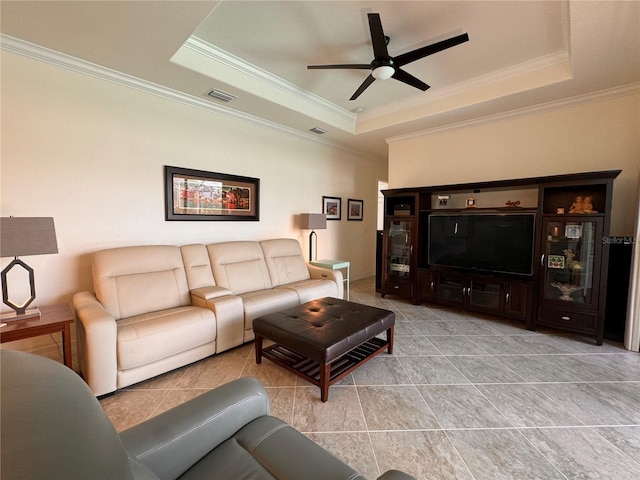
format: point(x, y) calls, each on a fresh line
point(513, 204)
point(199, 195)
point(355, 209)
point(332, 207)
point(23, 236)
point(313, 221)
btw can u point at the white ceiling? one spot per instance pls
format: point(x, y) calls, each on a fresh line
point(520, 54)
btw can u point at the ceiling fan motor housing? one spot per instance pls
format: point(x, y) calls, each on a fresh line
point(383, 68)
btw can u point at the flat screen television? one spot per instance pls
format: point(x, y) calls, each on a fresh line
point(489, 242)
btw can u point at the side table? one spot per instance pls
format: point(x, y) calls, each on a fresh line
point(53, 319)
point(335, 265)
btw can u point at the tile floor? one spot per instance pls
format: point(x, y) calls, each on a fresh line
point(463, 396)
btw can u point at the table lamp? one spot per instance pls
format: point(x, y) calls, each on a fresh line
point(22, 236)
point(313, 221)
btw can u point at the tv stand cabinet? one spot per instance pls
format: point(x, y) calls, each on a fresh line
point(567, 289)
point(491, 294)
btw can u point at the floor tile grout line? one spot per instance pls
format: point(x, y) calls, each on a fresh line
point(526, 439)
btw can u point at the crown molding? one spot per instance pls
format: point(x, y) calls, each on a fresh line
point(253, 71)
point(621, 91)
point(514, 72)
point(68, 62)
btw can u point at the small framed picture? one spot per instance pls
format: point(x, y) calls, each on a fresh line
point(573, 231)
point(332, 207)
point(443, 201)
point(354, 209)
point(471, 202)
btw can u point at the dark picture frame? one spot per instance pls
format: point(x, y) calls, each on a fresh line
point(210, 196)
point(332, 207)
point(355, 209)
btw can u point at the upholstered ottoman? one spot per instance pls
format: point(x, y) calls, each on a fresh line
point(324, 340)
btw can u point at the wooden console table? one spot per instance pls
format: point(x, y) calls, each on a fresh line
point(53, 319)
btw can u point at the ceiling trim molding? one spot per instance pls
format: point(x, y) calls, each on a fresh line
point(621, 91)
point(253, 71)
point(52, 57)
point(500, 76)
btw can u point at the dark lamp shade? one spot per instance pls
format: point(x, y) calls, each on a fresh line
point(24, 236)
point(313, 221)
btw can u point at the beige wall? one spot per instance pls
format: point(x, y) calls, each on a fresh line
point(90, 153)
point(598, 135)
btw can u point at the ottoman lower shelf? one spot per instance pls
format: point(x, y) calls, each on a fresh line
point(324, 376)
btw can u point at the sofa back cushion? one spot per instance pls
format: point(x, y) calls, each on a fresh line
point(197, 266)
point(131, 281)
point(239, 266)
point(284, 260)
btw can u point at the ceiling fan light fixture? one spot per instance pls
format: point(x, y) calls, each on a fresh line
point(383, 73)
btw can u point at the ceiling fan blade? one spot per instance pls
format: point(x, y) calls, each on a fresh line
point(356, 66)
point(419, 53)
point(367, 81)
point(409, 79)
point(377, 36)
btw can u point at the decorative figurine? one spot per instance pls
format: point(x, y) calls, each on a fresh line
point(576, 206)
point(582, 205)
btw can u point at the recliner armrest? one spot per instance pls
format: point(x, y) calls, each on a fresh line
point(172, 442)
point(328, 274)
point(96, 332)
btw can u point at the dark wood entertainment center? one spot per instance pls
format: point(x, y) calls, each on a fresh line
point(566, 286)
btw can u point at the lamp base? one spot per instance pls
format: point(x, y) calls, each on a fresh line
point(11, 316)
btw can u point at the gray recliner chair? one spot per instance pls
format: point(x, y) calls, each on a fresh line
point(54, 428)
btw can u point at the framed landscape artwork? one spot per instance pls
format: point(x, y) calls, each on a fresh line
point(199, 195)
point(332, 207)
point(354, 209)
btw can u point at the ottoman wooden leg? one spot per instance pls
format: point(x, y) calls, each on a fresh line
point(258, 341)
point(325, 376)
point(390, 339)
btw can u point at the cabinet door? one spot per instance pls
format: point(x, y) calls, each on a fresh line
point(484, 295)
point(399, 248)
point(451, 289)
point(428, 279)
point(516, 295)
point(571, 262)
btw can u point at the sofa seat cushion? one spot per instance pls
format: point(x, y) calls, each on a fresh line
point(312, 289)
point(147, 338)
point(257, 452)
point(262, 302)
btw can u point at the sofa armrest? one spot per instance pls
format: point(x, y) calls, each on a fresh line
point(395, 475)
point(209, 293)
point(228, 311)
point(328, 274)
point(172, 442)
point(96, 333)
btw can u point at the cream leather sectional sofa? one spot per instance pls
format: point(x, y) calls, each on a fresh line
point(160, 307)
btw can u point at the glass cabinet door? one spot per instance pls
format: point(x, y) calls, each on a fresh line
point(569, 263)
point(399, 252)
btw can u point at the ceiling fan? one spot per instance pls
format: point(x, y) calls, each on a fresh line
point(385, 66)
